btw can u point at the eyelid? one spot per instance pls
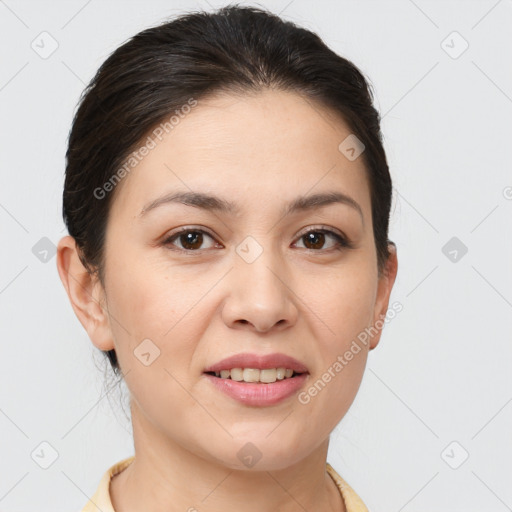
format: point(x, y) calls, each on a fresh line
point(182, 229)
point(321, 227)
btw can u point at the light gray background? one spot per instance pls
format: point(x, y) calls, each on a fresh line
point(442, 371)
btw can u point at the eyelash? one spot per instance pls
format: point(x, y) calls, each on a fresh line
point(343, 243)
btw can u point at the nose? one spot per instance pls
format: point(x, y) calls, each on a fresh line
point(259, 295)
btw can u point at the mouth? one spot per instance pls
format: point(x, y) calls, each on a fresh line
point(255, 387)
point(256, 375)
point(258, 380)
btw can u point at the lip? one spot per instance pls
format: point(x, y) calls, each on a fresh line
point(261, 362)
point(258, 394)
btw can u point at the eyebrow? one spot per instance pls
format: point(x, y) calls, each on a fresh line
point(213, 203)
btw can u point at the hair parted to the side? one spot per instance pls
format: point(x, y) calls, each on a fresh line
point(235, 49)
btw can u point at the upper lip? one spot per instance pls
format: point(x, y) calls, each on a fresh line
point(261, 362)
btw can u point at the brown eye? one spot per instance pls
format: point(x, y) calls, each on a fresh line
point(316, 239)
point(189, 239)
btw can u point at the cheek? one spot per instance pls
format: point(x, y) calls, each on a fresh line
point(345, 308)
point(345, 305)
point(149, 300)
point(148, 310)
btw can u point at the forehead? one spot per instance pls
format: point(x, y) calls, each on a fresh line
point(272, 146)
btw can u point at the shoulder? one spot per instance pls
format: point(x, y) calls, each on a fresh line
point(353, 502)
point(100, 500)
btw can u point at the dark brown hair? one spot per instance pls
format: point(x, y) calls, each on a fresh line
point(234, 49)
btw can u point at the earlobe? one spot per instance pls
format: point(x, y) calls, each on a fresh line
point(386, 282)
point(85, 293)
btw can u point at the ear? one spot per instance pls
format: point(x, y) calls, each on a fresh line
point(386, 282)
point(85, 293)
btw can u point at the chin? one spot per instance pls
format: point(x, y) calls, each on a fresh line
point(260, 454)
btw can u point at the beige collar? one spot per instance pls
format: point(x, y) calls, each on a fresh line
point(100, 501)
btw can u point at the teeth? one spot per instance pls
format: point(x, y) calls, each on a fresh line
point(267, 376)
point(251, 375)
point(236, 374)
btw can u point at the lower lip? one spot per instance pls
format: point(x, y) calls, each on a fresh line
point(259, 394)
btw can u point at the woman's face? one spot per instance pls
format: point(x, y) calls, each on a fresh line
point(254, 279)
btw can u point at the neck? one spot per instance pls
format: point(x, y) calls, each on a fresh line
point(166, 477)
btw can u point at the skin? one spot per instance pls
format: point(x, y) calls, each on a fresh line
point(309, 301)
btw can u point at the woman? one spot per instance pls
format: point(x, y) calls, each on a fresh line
point(227, 198)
